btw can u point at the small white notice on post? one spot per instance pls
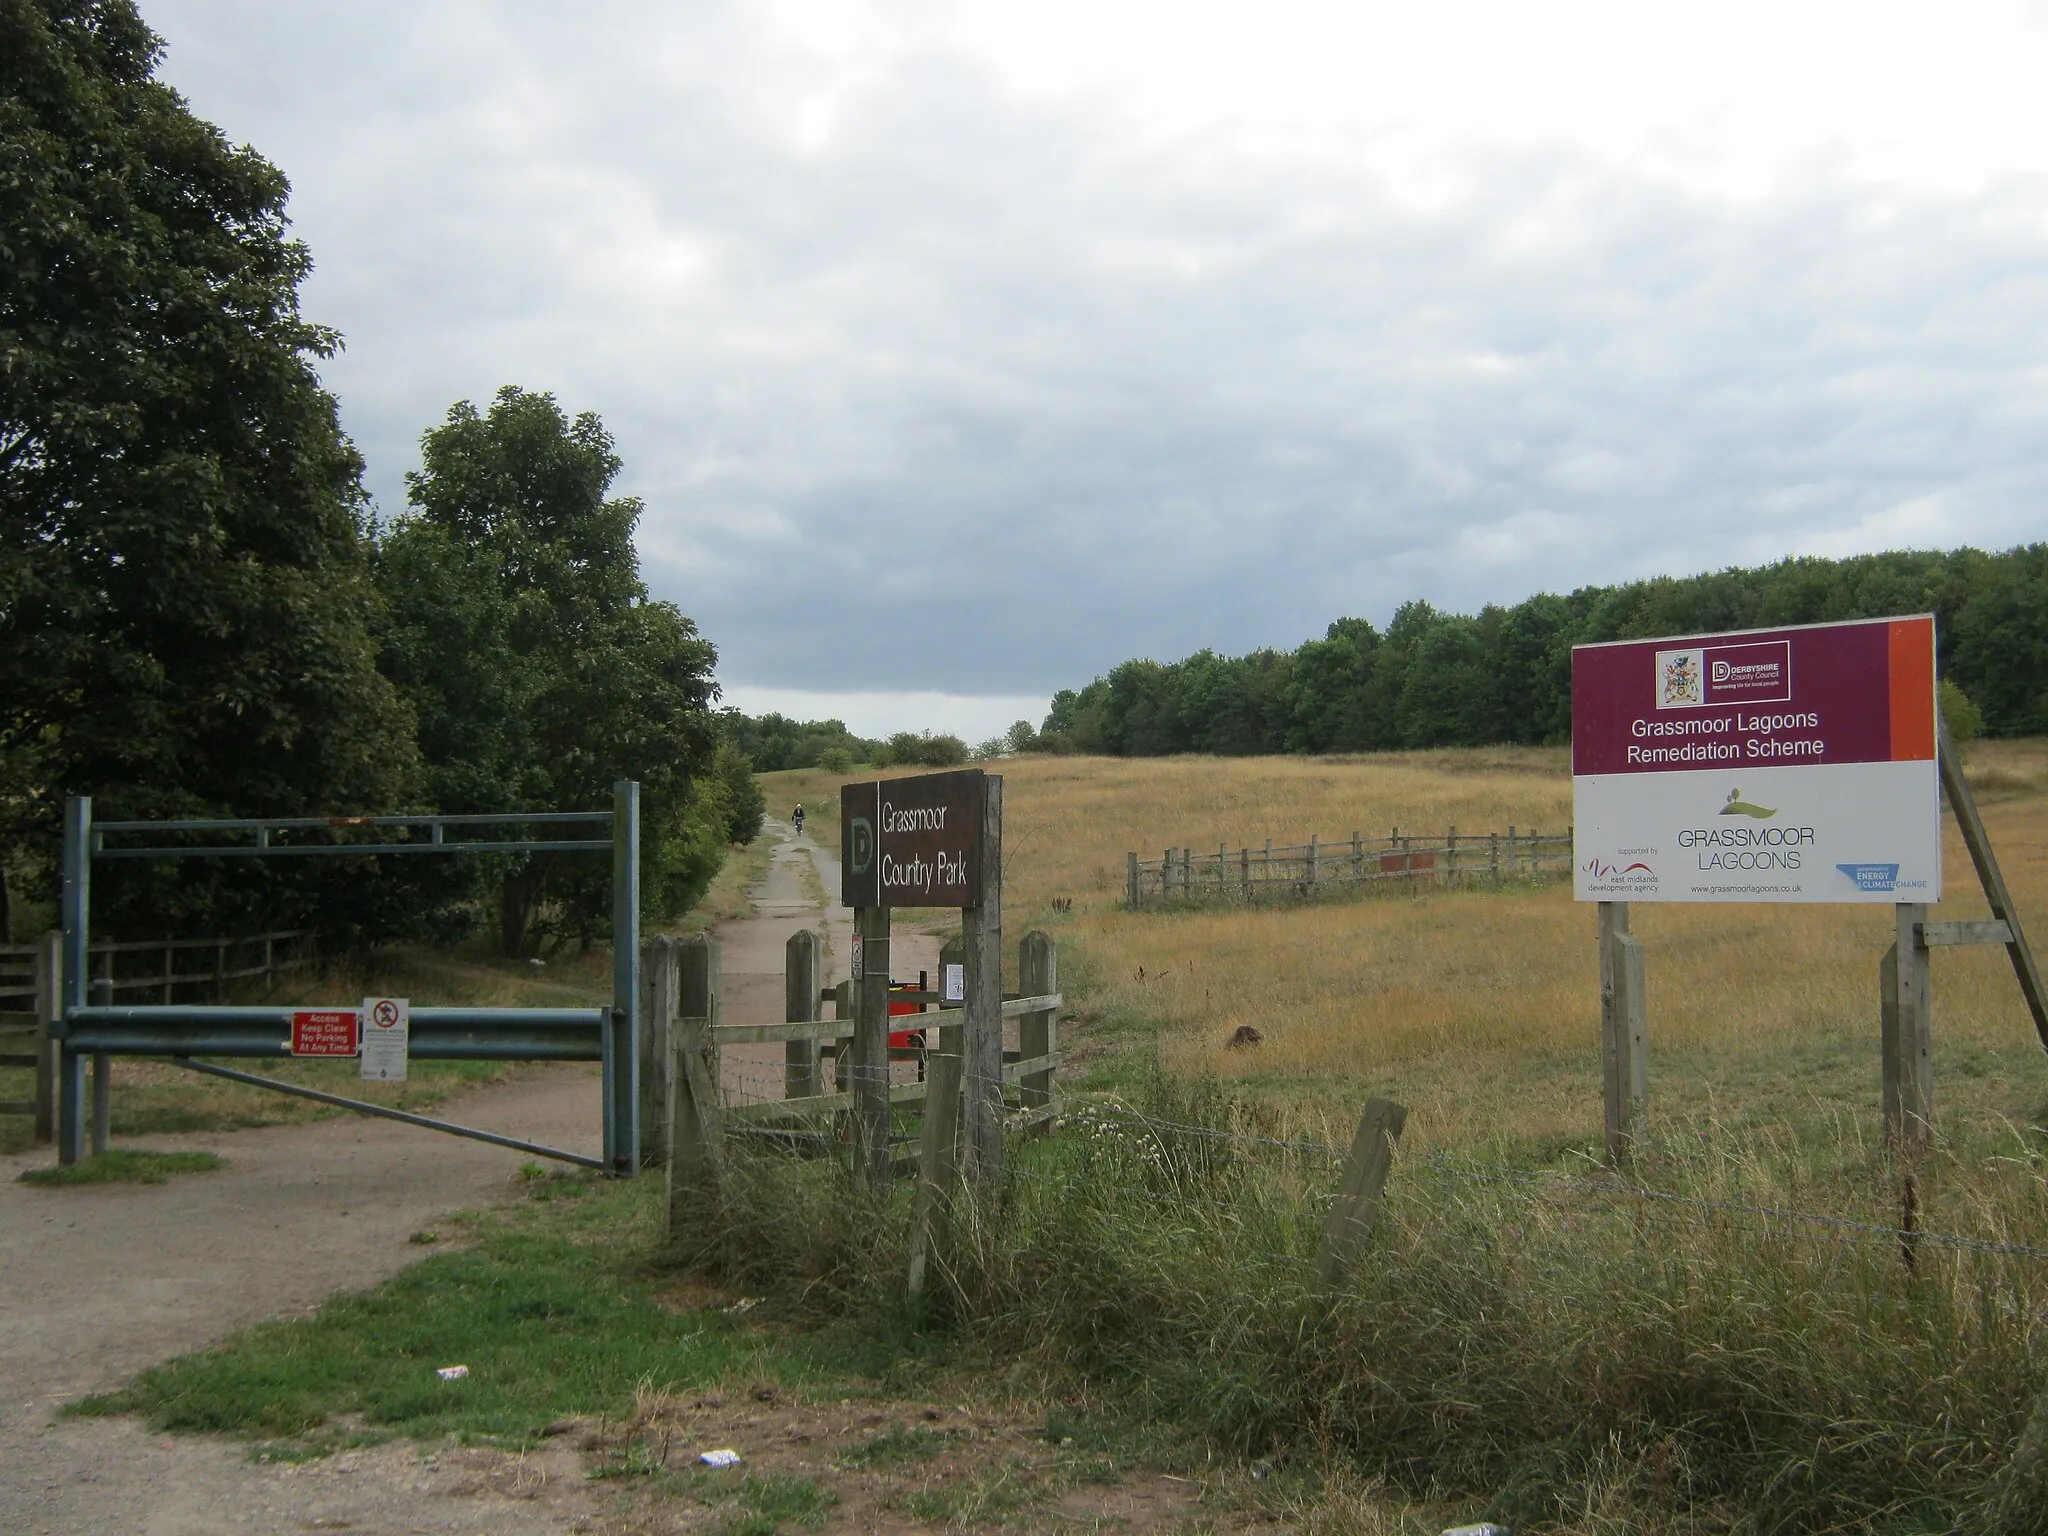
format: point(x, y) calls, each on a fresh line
point(956, 984)
point(387, 1038)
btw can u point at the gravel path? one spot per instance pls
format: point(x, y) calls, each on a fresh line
point(97, 1282)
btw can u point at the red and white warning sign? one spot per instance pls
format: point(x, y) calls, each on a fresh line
point(324, 1032)
point(387, 1038)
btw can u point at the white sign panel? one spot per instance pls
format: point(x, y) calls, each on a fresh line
point(387, 1038)
point(954, 984)
point(1781, 765)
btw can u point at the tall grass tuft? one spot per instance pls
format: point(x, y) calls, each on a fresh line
point(1541, 1338)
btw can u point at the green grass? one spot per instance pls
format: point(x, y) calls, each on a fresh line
point(122, 1165)
point(896, 1445)
point(557, 1309)
point(771, 1498)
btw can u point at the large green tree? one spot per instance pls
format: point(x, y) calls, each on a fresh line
point(185, 603)
point(540, 669)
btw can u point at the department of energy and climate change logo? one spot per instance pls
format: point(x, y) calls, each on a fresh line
point(1872, 877)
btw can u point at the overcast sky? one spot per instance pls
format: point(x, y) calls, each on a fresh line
point(961, 351)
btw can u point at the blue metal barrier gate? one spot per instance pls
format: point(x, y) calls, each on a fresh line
point(182, 1031)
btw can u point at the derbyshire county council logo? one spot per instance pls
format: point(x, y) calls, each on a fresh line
point(1737, 806)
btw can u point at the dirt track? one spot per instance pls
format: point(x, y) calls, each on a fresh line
point(98, 1282)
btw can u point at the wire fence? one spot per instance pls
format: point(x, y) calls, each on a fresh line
point(1320, 1161)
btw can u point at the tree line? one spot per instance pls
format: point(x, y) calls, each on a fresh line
point(1503, 675)
point(200, 613)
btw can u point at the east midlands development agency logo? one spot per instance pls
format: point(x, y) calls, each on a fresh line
point(863, 840)
point(1600, 869)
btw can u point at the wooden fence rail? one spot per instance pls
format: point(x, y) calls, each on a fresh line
point(1304, 871)
point(29, 991)
point(152, 966)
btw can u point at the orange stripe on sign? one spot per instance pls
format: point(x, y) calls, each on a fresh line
point(1912, 665)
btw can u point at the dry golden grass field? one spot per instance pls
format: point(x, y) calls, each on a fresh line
point(1479, 1008)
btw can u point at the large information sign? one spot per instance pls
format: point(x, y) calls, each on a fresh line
point(912, 842)
point(1767, 765)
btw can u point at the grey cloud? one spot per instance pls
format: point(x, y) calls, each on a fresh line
point(1049, 396)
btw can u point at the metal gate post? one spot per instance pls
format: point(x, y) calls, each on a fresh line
point(77, 907)
point(622, 1039)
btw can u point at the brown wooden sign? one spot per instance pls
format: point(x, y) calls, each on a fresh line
point(912, 842)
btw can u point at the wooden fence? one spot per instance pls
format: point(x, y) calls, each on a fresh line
point(165, 970)
point(689, 1105)
point(29, 993)
point(1308, 870)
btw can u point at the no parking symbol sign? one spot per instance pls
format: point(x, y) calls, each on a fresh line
point(387, 1037)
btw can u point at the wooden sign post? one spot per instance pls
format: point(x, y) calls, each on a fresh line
point(932, 840)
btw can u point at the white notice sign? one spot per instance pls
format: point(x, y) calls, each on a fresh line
point(387, 1037)
point(956, 984)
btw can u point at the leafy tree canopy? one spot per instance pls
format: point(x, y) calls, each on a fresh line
point(185, 603)
point(541, 670)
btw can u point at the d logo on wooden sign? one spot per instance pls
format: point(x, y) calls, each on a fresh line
point(912, 842)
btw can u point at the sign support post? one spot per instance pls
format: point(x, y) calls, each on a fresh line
point(1906, 1027)
point(1964, 804)
point(1624, 1053)
point(981, 1068)
point(870, 1071)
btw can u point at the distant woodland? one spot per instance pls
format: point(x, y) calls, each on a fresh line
point(1435, 679)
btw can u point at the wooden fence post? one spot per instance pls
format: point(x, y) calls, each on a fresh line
point(1038, 974)
point(938, 1164)
point(696, 1149)
point(1132, 894)
point(868, 1074)
point(1905, 1010)
point(981, 1064)
point(1624, 1047)
point(1244, 873)
point(1362, 1191)
point(1315, 863)
point(803, 1073)
point(658, 1006)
